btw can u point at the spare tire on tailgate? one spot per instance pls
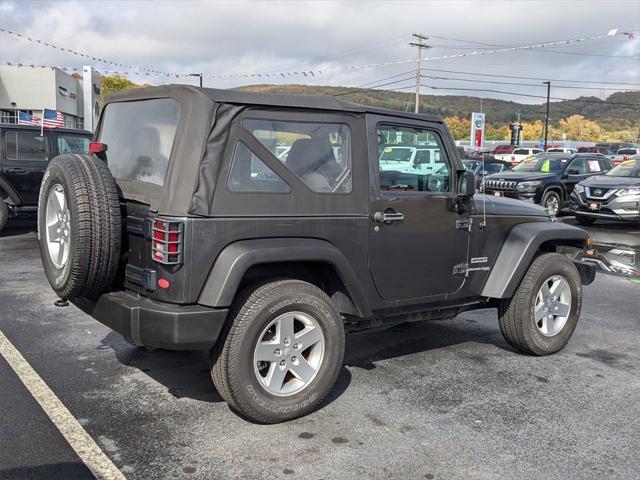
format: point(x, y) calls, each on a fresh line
point(79, 226)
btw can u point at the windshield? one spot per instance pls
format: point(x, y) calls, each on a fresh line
point(471, 165)
point(541, 164)
point(626, 169)
point(395, 154)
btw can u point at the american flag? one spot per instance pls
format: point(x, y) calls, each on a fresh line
point(52, 119)
point(25, 118)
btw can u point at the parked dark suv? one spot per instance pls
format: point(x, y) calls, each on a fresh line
point(24, 156)
point(264, 226)
point(547, 179)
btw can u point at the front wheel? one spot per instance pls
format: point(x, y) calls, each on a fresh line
point(281, 351)
point(4, 214)
point(552, 202)
point(542, 314)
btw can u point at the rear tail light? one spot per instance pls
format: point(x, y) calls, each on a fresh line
point(96, 147)
point(167, 241)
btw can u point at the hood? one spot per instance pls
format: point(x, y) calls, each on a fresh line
point(609, 181)
point(521, 176)
point(508, 206)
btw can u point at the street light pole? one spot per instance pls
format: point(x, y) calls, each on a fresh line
point(546, 117)
point(197, 75)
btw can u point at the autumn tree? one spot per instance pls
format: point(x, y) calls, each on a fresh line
point(115, 83)
point(579, 128)
point(460, 128)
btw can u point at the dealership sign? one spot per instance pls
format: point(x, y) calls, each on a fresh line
point(477, 130)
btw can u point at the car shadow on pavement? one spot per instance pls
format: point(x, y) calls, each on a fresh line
point(65, 470)
point(184, 373)
point(366, 348)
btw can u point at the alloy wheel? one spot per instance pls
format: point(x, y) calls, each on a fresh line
point(552, 306)
point(58, 226)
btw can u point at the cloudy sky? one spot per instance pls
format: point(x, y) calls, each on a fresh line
point(218, 37)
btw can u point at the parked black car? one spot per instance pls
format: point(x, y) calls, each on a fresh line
point(264, 226)
point(547, 179)
point(24, 156)
point(481, 168)
point(614, 196)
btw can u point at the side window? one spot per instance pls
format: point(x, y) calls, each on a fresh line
point(412, 159)
point(579, 165)
point(318, 153)
point(250, 174)
point(521, 151)
point(72, 144)
point(25, 146)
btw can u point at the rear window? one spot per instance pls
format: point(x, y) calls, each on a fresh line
point(72, 144)
point(139, 136)
point(627, 151)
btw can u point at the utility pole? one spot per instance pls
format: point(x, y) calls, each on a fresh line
point(420, 46)
point(546, 117)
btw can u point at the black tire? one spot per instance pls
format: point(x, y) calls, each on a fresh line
point(92, 200)
point(549, 197)
point(516, 314)
point(586, 221)
point(4, 214)
point(232, 368)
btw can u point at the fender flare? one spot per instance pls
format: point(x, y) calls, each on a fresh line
point(520, 248)
point(235, 259)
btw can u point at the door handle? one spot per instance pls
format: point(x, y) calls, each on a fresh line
point(16, 171)
point(388, 217)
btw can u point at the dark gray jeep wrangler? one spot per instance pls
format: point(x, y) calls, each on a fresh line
point(263, 227)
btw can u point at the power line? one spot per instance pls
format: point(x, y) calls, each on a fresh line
point(433, 77)
point(529, 78)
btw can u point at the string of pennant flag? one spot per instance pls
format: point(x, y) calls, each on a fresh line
point(132, 69)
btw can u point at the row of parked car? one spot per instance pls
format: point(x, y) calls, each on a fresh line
point(617, 152)
point(592, 185)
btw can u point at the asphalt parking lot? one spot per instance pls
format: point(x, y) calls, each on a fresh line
point(444, 399)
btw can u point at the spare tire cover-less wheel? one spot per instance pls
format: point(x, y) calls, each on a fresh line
point(79, 226)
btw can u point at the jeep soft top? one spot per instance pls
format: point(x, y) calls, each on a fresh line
point(264, 226)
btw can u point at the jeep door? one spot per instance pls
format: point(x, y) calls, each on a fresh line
point(416, 235)
point(23, 162)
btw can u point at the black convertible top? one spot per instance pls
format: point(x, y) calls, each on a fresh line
point(238, 97)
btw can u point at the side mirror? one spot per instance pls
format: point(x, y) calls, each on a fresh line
point(466, 184)
point(573, 171)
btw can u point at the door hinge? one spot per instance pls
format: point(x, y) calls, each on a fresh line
point(464, 224)
point(463, 270)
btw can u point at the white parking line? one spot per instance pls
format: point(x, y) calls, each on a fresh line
point(88, 451)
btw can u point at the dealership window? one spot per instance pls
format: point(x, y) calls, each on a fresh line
point(412, 160)
point(318, 153)
point(25, 146)
point(249, 174)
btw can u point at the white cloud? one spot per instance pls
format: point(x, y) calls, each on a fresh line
point(218, 37)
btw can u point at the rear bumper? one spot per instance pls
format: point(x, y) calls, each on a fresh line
point(144, 322)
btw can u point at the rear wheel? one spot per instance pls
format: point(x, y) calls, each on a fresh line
point(79, 226)
point(4, 214)
point(542, 314)
point(586, 221)
point(551, 201)
point(281, 352)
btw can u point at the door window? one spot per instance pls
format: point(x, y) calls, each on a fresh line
point(25, 146)
point(413, 160)
point(249, 174)
point(594, 165)
point(73, 144)
point(579, 165)
point(318, 153)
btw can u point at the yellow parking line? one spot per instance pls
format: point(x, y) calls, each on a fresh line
point(88, 451)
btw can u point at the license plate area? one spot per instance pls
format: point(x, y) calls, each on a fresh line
point(498, 194)
point(594, 206)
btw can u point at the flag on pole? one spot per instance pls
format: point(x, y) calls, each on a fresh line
point(25, 118)
point(52, 119)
